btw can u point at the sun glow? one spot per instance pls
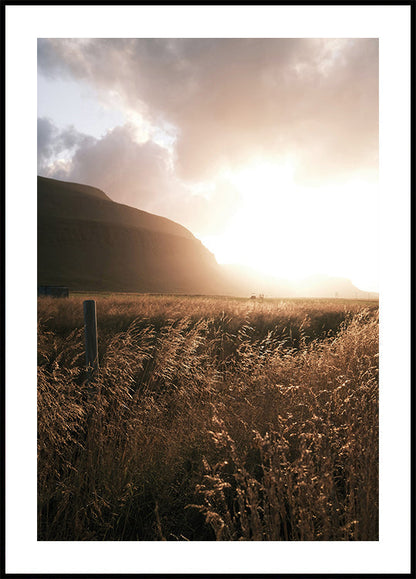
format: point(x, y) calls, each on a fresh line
point(290, 231)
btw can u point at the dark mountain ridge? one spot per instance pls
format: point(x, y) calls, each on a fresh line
point(88, 242)
point(59, 199)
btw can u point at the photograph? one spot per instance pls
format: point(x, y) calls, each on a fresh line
point(216, 293)
point(196, 204)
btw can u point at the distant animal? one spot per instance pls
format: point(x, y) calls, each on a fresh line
point(260, 298)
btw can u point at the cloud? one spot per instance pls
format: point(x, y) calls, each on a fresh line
point(134, 173)
point(231, 99)
point(46, 135)
point(52, 142)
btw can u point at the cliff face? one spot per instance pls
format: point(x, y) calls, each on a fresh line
point(88, 242)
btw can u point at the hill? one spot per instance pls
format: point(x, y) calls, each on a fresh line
point(59, 199)
point(86, 241)
point(324, 286)
point(248, 281)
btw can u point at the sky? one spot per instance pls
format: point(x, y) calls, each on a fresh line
point(266, 149)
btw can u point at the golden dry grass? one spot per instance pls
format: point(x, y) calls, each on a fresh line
point(210, 419)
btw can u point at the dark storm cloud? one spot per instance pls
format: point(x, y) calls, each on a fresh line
point(46, 137)
point(51, 142)
point(230, 99)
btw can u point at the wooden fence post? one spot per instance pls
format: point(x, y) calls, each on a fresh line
point(91, 340)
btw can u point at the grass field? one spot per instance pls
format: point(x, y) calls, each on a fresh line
point(209, 419)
